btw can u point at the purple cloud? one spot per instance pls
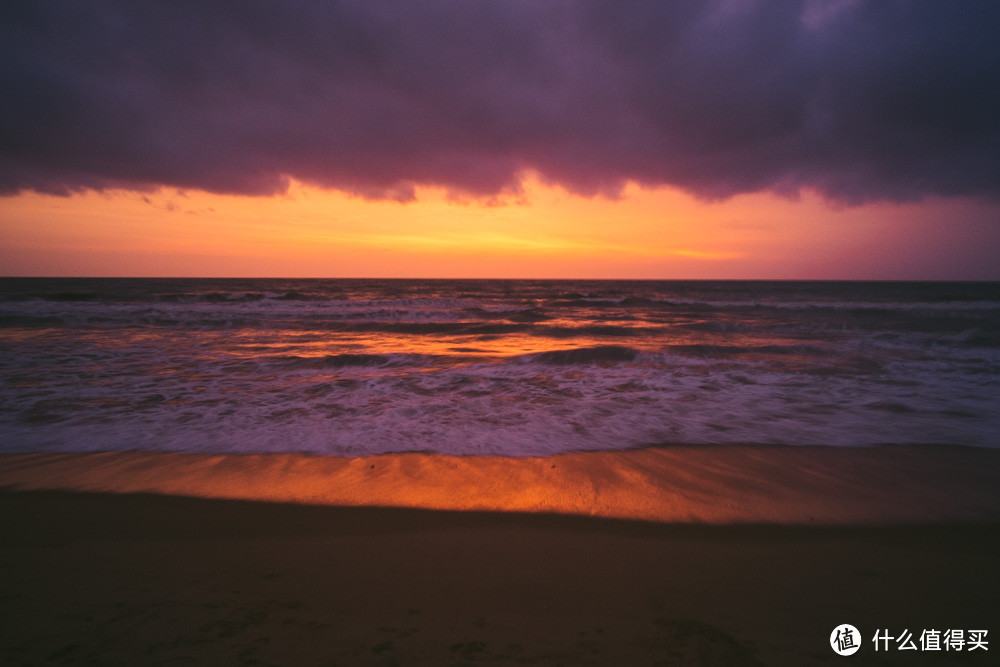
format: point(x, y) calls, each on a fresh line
point(858, 100)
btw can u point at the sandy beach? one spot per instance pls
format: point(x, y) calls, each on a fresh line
point(719, 484)
point(138, 579)
point(154, 578)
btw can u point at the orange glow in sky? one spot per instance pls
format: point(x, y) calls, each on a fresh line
point(545, 232)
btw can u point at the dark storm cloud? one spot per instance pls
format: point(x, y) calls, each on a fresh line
point(862, 101)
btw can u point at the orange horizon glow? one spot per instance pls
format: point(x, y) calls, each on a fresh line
point(542, 232)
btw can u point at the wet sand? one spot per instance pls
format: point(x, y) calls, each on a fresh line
point(128, 577)
point(699, 484)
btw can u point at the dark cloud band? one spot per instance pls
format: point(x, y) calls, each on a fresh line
point(858, 100)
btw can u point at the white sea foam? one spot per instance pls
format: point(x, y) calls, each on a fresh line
point(513, 369)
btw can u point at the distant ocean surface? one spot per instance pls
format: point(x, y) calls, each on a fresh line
point(505, 367)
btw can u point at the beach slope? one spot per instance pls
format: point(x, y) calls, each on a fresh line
point(752, 559)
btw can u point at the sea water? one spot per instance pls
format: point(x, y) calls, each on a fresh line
point(493, 367)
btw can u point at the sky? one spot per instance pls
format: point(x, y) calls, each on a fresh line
point(822, 139)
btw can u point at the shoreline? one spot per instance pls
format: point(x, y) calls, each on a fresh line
point(722, 556)
point(678, 484)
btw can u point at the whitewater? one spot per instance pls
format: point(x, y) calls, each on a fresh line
point(500, 368)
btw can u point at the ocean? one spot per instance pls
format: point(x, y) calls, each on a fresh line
point(492, 367)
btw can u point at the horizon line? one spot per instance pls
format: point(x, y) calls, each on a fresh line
point(468, 278)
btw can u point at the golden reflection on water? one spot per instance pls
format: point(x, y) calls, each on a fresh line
point(700, 484)
point(455, 347)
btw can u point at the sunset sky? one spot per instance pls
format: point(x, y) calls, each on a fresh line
point(819, 139)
